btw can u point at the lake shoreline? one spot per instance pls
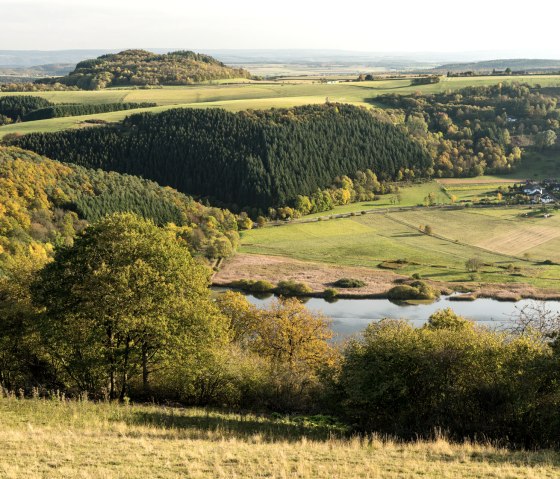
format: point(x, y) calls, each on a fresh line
point(321, 276)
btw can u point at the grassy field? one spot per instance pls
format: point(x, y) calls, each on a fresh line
point(511, 244)
point(54, 439)
point(243, 95)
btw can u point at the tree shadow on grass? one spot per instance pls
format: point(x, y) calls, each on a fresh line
point(205, 426)
point(518, 458)
point(215, 426)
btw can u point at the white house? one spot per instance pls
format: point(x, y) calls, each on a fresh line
point(533, 191)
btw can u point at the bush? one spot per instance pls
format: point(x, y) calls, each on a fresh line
point(415, 290)
point(473, 264)
point(402, 292)
point(252, 286)
point(349, 283)
point(330, 294)
point(293, 288)
point(451, 376)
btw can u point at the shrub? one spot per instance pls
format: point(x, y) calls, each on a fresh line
point(473, 264)
point(415, 290)
point(349, 283)
point(449, 375)
point(252, 286)
point(293, 288)
point(330, 293)
point(402, 292)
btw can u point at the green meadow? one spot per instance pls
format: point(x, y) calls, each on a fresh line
point(243, 95)
point(511, 244)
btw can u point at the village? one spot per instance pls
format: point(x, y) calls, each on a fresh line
point(543, 192)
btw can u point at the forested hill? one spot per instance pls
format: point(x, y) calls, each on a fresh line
point(258, 159)
point(44, 203)
point(140, 67)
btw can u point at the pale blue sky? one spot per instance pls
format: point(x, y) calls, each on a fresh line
point(390, 26)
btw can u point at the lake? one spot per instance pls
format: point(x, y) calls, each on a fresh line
point(353, 315)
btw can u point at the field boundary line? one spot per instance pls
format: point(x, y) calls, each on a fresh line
point(449, 240)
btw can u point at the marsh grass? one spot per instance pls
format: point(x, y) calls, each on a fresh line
point(80, 439)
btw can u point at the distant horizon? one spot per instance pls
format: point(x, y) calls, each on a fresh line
point(25, 58)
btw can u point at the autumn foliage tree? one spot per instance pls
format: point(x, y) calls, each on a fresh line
point(125, 300)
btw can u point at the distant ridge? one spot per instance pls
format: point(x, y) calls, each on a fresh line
point(515, 64)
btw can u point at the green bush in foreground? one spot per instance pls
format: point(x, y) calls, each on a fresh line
point(452, 376)
point(126, 297)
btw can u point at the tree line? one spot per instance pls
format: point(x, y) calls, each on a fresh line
point(125, 313)
point(255, 159)
point(16, 108)
point(57, 111)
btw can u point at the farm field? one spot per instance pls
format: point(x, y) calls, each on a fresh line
point(408, 195)
point(511, 246)
point(54, 439)
point(245, 95)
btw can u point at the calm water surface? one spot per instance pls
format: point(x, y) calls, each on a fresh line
point(353, 315)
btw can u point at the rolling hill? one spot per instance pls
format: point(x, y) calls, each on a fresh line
point(257, 159)
point(44, 203)
point(143, 68)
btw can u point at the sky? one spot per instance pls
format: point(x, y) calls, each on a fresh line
point(380, 26)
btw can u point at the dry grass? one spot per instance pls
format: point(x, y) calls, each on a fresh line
point(53, 439)
point(317, 275)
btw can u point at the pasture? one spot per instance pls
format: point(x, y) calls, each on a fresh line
point(245, 95)
point(511, 246)
point(70, 439)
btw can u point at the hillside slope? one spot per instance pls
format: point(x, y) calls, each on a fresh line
point(87, 439)
point(254, 158)
point(140, 67)
point(44, 203)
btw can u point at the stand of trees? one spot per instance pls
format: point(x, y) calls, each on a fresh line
point(44, 204)
point(256, 159)
point(56, 111)
point(479, 129)
point(140, 67)
point(15, 107)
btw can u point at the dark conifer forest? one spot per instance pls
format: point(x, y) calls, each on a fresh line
point(252, 159)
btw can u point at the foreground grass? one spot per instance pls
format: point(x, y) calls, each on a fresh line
point(54, 439)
